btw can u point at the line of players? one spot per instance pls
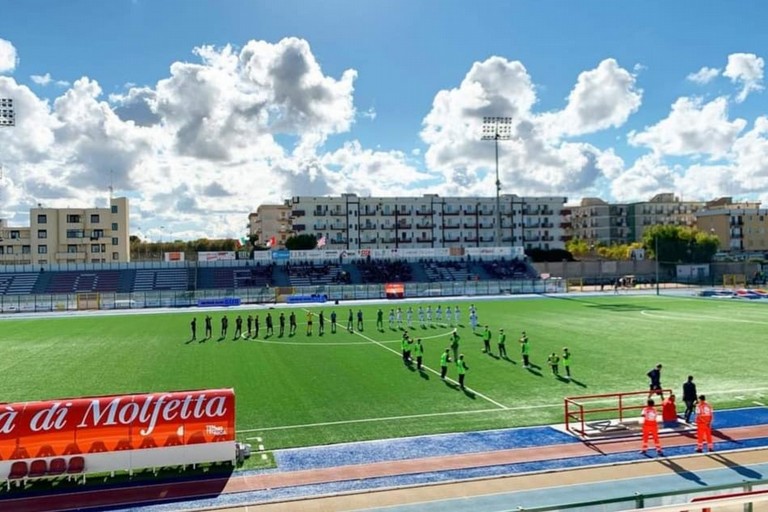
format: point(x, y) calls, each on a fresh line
point(399, 319)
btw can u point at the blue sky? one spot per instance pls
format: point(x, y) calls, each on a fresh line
point(368, 134)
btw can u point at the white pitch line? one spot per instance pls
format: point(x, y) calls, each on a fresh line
point(261, 447)
point(388, 418)
point(263, 456)
point(761, 404)
point(485, 397)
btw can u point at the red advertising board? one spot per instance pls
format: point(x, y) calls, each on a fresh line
point(114, 423)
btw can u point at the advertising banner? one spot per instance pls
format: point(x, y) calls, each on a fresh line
point(116, 423)
point(216, 256)
point(173, 256)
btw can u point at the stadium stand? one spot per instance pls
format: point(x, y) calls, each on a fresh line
point(211, 278)
point(309, 274)
point(385, 271)
point(447, 271)
point(77, 282)
point(149, 279)
point(18, 284)
point(505, 270)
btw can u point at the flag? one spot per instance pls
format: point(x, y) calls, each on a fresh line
point(271, 242)
point(242, 241)
point(321, 242)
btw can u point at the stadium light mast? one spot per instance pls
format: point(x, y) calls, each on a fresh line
point(496, 129)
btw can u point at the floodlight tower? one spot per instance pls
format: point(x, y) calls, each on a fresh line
point(496, 129)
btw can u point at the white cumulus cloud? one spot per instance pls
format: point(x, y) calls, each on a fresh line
point(745, 69)
point(8, 58)
point(46, 79)
point(691, 128)
point(704, 75)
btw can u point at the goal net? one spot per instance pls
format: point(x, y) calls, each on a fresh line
point(88, 301)
point(734, 280)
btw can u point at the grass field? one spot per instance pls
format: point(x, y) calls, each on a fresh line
point(304, 390)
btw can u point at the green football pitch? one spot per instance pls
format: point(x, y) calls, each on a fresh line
point(304, 390)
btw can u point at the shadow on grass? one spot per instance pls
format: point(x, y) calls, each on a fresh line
point(424, 375)
point(619, 308)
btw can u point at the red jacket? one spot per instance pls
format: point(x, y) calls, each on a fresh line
point(669, 410)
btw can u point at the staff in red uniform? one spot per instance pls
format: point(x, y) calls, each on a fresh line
point(669, 412)
point(704, 415)
point(651, 427)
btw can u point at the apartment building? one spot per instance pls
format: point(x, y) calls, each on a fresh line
point(271, 221)
point(68, 235)
point(352, 222)
point(599, 222)
point(740, 227)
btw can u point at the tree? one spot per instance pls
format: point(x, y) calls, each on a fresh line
point(301, 242)
point(577, 247)
point(680, 244)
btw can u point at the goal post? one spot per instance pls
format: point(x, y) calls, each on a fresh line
point(590, 415)
point(573, 284)
point(89, 300)
point(734, 281)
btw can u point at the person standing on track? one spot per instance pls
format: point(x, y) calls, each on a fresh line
point(689, 397)
point(650, 428)
point(704, 414)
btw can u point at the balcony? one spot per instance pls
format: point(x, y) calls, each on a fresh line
point(565, 225)
point(320, 226)
point(419, 212)
point(337, 213)
point(337, 228)
point(470, 212)
point(337, 241)
point(424, 226)
point(451, 213)
point(406, 240)
point(547, 225)
point(532, 225)
point(547, 238)
point(298, 227)
point(363, 242)
point(448, 239)
point(367, 227)
point(319, 213)
point(486, 213)
point(387, 213)
point(367, 213)
point(298, 213)
point(547, 211)
point(70, 255)
point(403, 225)
point(470, 226)
point(425, 240)
point(457, 226)
point(472, 239)
point(531, 238)
point(566, 238)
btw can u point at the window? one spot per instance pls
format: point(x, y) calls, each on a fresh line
point(42, 218)
point(75, 233)
point(114, 208)
point(71, 248)
point(73, 219)
point(95, 248)
point(15, 235)
point(9, 250)
point(2, 249)
point(114, 226)
point(115, 241)
point(96, 234)
point(25, 249)
point(42, 233)
point(95, 218)
point(115, 256)
point(42, 249)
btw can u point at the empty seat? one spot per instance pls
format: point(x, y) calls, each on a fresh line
point(38, 468)
point(76, 465)
point(58, 467)
point(18, 470)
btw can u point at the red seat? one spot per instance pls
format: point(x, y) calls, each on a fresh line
point(58, 467)
point(18, 470)
point(76, 465)
point(38, 468)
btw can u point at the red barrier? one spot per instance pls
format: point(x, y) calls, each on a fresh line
point(55, 428)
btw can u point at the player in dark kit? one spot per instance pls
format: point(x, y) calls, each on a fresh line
point(224, 325)
point(238, 326)
point(193, 326)
point(208, 327)
point(321, 323)
point(350, 320)
point(333, 321)
point(249, 324)
point(270, 331)
point(359, 319)
point(292, 324)
point(282, 324)
point(256, 327)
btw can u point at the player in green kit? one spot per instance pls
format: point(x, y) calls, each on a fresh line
point(444, 358)
point(502, 344)
point(487, 340)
